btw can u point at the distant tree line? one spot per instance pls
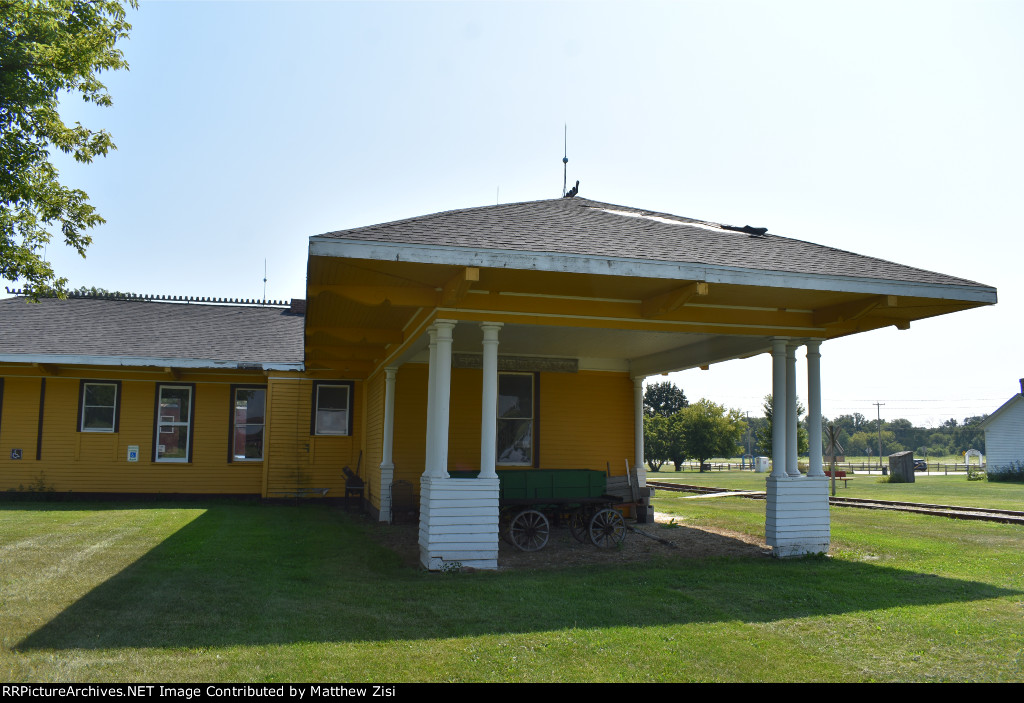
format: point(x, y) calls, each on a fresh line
point(676, 431)
point(859, 436)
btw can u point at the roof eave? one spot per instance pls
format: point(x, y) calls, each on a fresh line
point(1000, 410)
point(641, 268)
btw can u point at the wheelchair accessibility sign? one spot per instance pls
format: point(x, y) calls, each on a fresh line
point(133, 452)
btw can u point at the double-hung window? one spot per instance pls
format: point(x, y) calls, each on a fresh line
point(332, 408)
point(516, 412)
point(248, 413)
point(174, 414)
point(98, 403)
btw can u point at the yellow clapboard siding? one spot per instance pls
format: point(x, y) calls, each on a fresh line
point(464, 422)
point(586, 420)
point(19, 422)
point(97, 462)
point(374, 413)
point(410, 422)
point(299, 460)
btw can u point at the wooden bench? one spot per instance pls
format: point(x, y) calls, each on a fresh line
point(840, 476)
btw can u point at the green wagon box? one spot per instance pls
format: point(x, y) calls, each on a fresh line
point(552, 483)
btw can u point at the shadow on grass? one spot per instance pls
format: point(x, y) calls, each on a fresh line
point(258, 575)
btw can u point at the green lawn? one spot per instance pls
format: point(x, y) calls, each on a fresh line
point(946, 490)
point(221, 591)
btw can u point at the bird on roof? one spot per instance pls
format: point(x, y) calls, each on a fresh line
point(747, 229)
point(573, 191)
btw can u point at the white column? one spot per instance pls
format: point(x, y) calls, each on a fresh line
point(387, 465)
point(796, 519)
point(458, 517)
point(442, 397)
point(778, 407)
point(428, 458)
point(638, 429)
point(791, 418)
point(390, 374)
point(489, 409)
point(814, 406)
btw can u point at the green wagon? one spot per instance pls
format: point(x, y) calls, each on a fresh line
point(532, 500)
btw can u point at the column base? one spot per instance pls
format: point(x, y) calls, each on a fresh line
point(458, 522)
point(797, 515)
point(387, 475)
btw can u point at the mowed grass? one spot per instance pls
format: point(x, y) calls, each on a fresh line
point(944, 490)
point(221, 591)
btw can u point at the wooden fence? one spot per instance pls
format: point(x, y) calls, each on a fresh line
point(933, 467)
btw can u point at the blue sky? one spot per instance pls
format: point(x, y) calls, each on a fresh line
point(886, 128)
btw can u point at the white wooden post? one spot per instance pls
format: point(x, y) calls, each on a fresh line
point(387, 465)
point(792, 444)
point(442, 396)
point(489, 409)
point(814, 406)
point(796, 520)
point(638, 429)
point(778, 407)
point(428, 458)
point(458, 517)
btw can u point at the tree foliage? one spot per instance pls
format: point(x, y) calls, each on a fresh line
point(764, 430)
point(708, 430)
point(656, 441)
point(49, 47)
point(664, 399)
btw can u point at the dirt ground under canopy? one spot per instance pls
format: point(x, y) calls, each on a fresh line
point(562, 550)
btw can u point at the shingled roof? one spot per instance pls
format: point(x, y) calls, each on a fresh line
point(581, 227)
point(149, 333)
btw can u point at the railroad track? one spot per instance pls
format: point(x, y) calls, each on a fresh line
point(1013, 517)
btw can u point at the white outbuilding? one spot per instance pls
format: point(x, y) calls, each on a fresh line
point(1004, 433)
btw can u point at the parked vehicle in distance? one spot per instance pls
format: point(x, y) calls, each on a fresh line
point(920, 465)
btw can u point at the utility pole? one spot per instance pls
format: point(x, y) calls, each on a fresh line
point(878, 407)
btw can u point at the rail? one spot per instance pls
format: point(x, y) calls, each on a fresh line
point(959, 512)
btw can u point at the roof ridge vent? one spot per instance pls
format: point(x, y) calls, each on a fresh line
point(102, 294)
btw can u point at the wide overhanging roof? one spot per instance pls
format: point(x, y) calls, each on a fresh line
point(682, 292)
point(584, 236)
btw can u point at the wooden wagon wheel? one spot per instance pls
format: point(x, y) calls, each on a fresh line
point(578, 522)
point(607, 528)
point(529, 530)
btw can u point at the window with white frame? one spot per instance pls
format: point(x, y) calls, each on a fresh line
point(97, 406)
point(174, 423)
point(248, 412)
point(516, 410)
point(332, 408)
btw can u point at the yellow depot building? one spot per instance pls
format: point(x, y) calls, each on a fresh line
point(435, 354)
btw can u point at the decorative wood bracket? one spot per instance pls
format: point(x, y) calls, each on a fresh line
point(458, 285)
point(853, 310)
point(665, 303)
